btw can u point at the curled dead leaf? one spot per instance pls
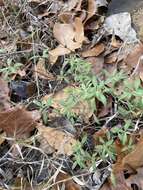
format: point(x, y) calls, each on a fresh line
point(95, 51)
point(61, 141)
point(92, 9)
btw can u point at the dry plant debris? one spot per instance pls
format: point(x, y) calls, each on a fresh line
point(71, 97)
point(62, 142)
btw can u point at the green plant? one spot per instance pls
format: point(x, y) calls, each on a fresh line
point(10, 69)
point(132, 97)
point(81, 157)
point(122, 132)
point(90, 88)
point(43, 106)
point(45, 53)
point(106, 149)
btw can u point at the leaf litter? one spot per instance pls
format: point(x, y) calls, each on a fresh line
point(61, 125)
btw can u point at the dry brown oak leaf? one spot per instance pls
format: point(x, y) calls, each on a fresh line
point(17, 122)
point(134, 159)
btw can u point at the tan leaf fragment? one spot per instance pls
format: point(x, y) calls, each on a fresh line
point(136, 179)
point(92, 9)
point(79, 34)
point(95, 51)
point(61, 141)
point(17, 122)
point(134, 56)
point(115, 57)
point(58, 51)
point(64, 33)
point(69, 36)
point(2, 137)
point(135, 60)
point(111, 58)
point(4, 95)
point(41, 70)
point(115, 43)
point(66, 17)
point(44, 146)
point(134, 159)
point(96, 64)
point(141, 75)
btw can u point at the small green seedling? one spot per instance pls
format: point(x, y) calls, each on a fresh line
point(43, 107)
point(10, 69)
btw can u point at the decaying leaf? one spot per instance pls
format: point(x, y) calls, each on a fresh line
point(64, 33)
point(66, 17)
point(120, 182)
point(96, 64)
point(102, 133)
point(41, 71)
point(67, 181)
point(136, 180)
point(61, 141)
point(79, 34)
point(69, 36)
point(95, 51)
point(134, 159)
point(115, 43)
point(44, 145)
point(58, 51)
point(134, 61)
point(92, 9)
point(105, 110)
point(134, 56)
point(17, 122)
